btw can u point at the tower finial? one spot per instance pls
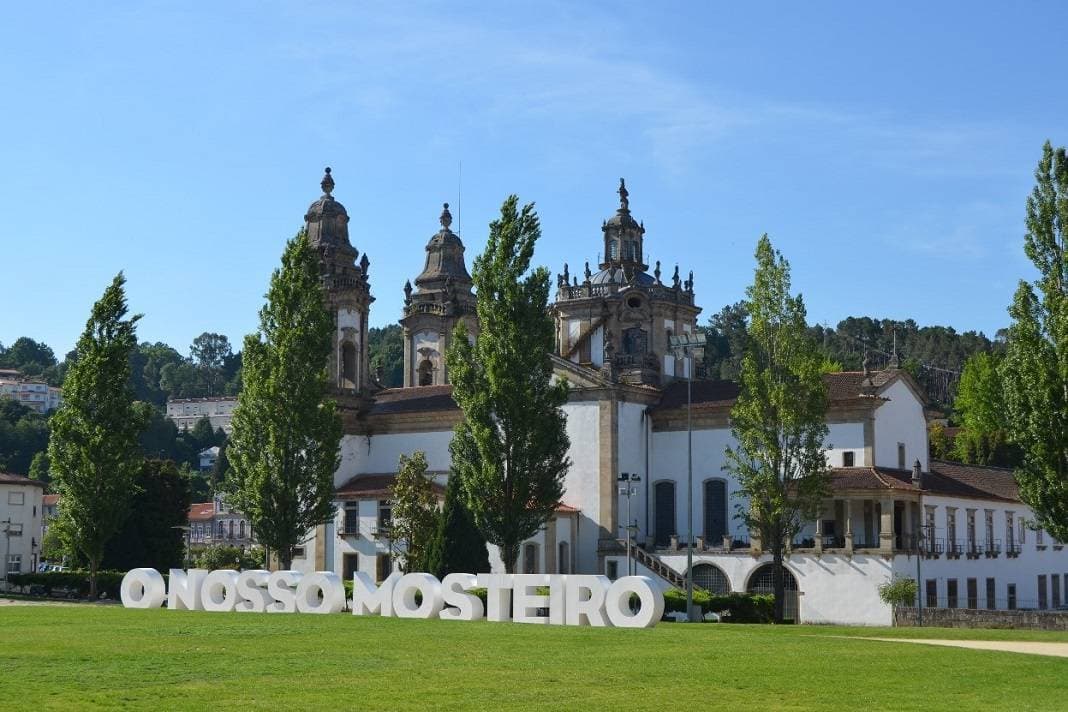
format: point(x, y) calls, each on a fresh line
point(446, 216)
point(327, 182)
point(624, 203)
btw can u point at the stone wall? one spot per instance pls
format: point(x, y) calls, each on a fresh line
point(981, 618)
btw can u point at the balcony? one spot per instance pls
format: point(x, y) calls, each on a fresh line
point(1012, 550)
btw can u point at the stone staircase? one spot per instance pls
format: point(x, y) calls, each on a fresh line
point(653, 563)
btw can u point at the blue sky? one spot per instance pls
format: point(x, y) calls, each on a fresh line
point(888, 151)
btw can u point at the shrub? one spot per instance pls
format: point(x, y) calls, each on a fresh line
point(75, 583)
point(731, 607)
point(899, 592)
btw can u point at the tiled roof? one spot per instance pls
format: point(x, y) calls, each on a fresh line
point(375, 486)
point(50, 500)
point(413, 400)
point(201, 511)
point(845, 385)
point(8, 478)
point(871, 478)
point(566, 509)
point(955, 479)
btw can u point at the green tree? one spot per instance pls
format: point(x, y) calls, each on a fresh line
point(224, 556)
point(778, 420)
point(210, 353)
point(726, 339)
point(1036, 361)
point(940, 443)
point(39, 468)
point(981, 410)
point(23, 434)
point(285, 445)
point(415, 510)
point(149, 536)
point(510, 449)
point(387, 354)
point(93, 449)
point(458, 547)
point(31, 358)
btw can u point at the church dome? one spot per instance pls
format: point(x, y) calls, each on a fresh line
point(615, 275)
point(327, 220)
point(444, 257)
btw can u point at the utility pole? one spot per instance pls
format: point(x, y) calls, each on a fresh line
point(629, 489)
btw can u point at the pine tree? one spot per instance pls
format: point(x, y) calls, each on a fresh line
point(458, 545)
point(1036, 362)
point(149, 536)
point(94, 451)
point(286, 437)
point(510, 449)
point(415, 510)
point(778, 420)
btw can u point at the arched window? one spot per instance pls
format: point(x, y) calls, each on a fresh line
point(664, 508)
point(348, 365)
point(426, 373)
point(241, 529)
point(711, 578)
point(222, 530)
point(763, 581)
point(530, 558)
point(613, 250)
point(563, 558)
point(635, 341)
point(715, 511)
point(231, 528)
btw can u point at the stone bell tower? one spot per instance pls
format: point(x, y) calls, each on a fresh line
point(442, 298)
point(348, 293)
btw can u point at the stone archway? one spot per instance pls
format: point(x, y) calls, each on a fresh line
point(762, 581)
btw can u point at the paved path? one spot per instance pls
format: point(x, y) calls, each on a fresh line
point(1009, 646)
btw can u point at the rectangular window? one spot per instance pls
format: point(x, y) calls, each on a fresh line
point(385, 516)
point(932, 593)
point(951, 531)
point(1055, 585)
point(14, 563)
point(991, 594)
point(350, 564)
point(14, 529)
point(352, 518)
point(16, 498)
point(973, 593)
point(383, 566)
point(1042, 593)
point(1011, 591)
point(847, 458)
point(1023, 532)
point(989, 530)
point(951, 593)
point(1010, 534)
point(612, 569)
point(901, 459)
point(298, 552)
point(971, 531)
point(1040, 539)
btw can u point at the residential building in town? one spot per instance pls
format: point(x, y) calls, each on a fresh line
point(185, 412)
point(20, 524)
point(216, 522)
point(890, 506)
point(32, 393)
point(208, 457)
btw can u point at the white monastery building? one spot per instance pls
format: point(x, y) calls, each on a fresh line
point(891, 506)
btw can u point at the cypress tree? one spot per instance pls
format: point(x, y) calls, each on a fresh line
point(286, 437)
point(459, 546)
point(94, 451)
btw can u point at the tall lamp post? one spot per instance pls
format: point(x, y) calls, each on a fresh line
point(689, 346)
point(628, 487)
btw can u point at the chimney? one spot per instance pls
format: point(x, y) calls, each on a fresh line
point(917, 474)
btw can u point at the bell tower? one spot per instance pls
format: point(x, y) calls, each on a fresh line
point(442, 297)
point(348, 293)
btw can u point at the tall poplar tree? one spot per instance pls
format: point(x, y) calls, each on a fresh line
point(510, 449)
point(93, 449)
point(1036, 361)
point(285, 445)
point(778, 420)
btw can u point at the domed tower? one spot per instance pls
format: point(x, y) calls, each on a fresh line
point(442, 298)
point(348, 293)
point(620, 318)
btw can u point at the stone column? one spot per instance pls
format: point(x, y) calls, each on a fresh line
point(886, 526)
point(407, 358)
point(818, 542)
point(848, 526)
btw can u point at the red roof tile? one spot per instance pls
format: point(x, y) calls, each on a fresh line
point(375, 486)
point(9, 478)
point(201, 511)
point(50, 500)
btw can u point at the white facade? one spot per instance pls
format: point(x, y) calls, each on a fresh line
point(20, 524)
point(35, 395)
point(185, 412)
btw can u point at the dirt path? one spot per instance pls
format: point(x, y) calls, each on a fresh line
point(1008, 646)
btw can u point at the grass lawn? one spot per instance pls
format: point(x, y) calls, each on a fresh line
point(78, 657)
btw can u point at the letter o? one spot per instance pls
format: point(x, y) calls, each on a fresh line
point(325, 582)
point(219, 591)
point(404, 605)
point(142, 588)
point(617, 602)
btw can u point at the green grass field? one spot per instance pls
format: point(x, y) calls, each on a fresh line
point(80, 657)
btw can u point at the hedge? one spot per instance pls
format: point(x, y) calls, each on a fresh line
point(731, 607)
point(72, 583)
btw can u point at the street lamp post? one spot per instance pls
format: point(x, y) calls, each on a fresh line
point(628, 488)
point(689, 346)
